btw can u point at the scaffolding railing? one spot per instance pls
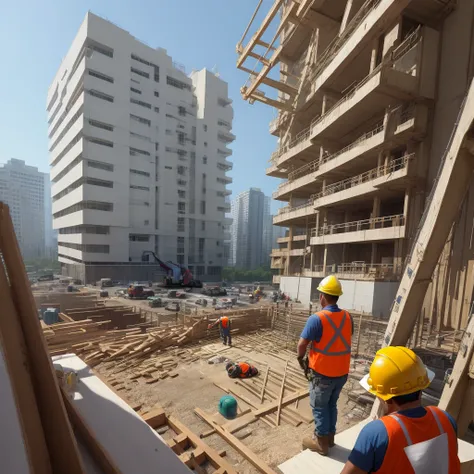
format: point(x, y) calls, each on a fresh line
point(384, 222)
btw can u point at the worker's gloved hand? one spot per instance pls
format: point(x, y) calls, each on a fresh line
point(303, 361)
point(209, 326)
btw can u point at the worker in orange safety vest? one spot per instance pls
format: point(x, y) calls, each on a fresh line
point(328, 335)
point(410, 439)
point(242, 370)
point(224, 329)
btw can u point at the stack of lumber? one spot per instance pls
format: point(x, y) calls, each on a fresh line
point(94, 344)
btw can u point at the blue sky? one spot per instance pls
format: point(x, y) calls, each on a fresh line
point(197, 33)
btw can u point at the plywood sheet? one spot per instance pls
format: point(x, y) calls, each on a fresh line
point(132, 444)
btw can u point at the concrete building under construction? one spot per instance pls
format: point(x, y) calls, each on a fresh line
point(367, 94)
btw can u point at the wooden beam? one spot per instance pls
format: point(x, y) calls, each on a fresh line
point(246, 452)
point(155, 418)
point(62, 446)
point(280, 398)
point(97, 451)
point(262, 394)
point(262, 43)
point(286, 401)
point(281, 86)
point(259, 33)
point(211, 454)
point(275, 103)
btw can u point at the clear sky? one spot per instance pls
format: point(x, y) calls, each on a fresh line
point(197, 33)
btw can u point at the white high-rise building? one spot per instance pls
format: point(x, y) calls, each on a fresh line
point(22, 187)
point(139, 159)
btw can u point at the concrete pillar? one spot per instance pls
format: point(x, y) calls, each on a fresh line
point(324, 185)
point(325, 258)
point(373, 255)
point(344, 252)
point(375, 211)
point(380, 162)
point(386, 164)
point(374, 54)
point(311, 262)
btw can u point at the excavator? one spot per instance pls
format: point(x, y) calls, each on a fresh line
point(176, 275)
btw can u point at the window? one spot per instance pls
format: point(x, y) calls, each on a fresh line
point(140, 60)
point(181, 170)
point(142, 120)
point(157, 146)
point(157, 94)
point(204, 160)
point(80, 182)
point(137, 91)
point(181, 138)
point(103, 126)
point(203, 207)
point(205, 143)
point(146, 222)
point(214, 270)
point(99, 141)
point(99, 165)
point(136, 151)
point(140, 73)
point(100, 95)
point(168, 167)
point(180, 224)
point(171, 81)
point(217, 243)
point(141, 103)
point(101, 76)
point(71, 122)
point(102, 49)
point(141, 137)
point(139, 172)
point(139, 238)
point(181, 207)
point(182, 110)
point(181, 194)
point(182, 182)
point(89, 248)
point(182, 152)
point(180, 258)
point(86, 229)
point(142, 188)
point(95, 205)
point(205, 128)
point(203, 225)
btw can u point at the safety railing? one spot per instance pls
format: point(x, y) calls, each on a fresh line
point(286, 209)
point(365, 224)
point(368, 269)
point(374, 173)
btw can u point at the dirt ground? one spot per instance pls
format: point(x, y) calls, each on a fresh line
point(195, 387)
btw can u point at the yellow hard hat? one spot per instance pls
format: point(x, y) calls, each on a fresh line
point(396, 371)
point(330, 286)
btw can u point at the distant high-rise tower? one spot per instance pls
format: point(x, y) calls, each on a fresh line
point(22, 187)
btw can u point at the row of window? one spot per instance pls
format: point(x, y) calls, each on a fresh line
point(89, 248)
point(100, 95)
point(67, 148)
point(83, 205)
point(66, 129)
point(139, 172)
point(142, 188)
point(81, 181)
point(139, 238)
point(86, 229)
point(171, 81)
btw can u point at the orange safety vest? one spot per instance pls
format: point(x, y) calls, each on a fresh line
point(331, 356)
point(224, 321)
point(404, 431)
point(244, 367)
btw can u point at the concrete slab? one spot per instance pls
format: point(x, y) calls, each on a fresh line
point(309, 462)
point(132, 444)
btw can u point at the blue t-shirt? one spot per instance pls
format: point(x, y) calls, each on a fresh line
point(371, 445)
point(313, 329)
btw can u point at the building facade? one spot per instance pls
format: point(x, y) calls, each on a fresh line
point(139, 156)
point(366, 102)
point(22, 187)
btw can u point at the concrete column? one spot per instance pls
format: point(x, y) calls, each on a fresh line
point(325, 257)
point(324, 185)
point(380, 161)
point(374, 54)
point(344, 251)
point(373, 255)
point(387, 161)
point(311, 262)
point(317, 222)
point(375, 211)
point(325, 104)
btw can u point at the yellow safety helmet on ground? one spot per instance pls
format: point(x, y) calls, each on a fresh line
point(330, 286)
point(395, 371)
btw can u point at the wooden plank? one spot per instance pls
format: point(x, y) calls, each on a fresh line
point(286, 401)
point(99, 454)
point(246, 452)
point(211, 454)
point(280, 398)
point(262, 394)
point(13, 347)
point(155, 418)
point(62, 446)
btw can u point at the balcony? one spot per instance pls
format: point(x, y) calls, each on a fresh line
point(277, 264)
point(225, 136)
point(279, 253)
point(366, 184)
point(224, 180)
point(297, 252)
point(225, 165)
point(224, 152)
point(364, 271)
point(289, 213)
point(368, 230)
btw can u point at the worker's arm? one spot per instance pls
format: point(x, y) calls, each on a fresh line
point(349, 468)
point(302, 346)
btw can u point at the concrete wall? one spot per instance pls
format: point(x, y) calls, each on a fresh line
point(300, 288)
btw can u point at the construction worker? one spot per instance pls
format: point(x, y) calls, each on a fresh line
point(242, 370)
point(224, 329)
point(410, 439)
point(328, 334)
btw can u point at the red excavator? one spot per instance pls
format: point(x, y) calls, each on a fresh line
point(176, 275)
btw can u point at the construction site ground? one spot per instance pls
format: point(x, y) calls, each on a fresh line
point(197, 385)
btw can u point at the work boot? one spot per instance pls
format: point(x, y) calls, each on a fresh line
point(318, 444)
point(331, 442)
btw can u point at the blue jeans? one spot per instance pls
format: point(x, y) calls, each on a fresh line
point(323, 395)
point(225, 335)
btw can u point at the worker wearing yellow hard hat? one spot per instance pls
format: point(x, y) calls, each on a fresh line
point(410, 439)
point(328, 335)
